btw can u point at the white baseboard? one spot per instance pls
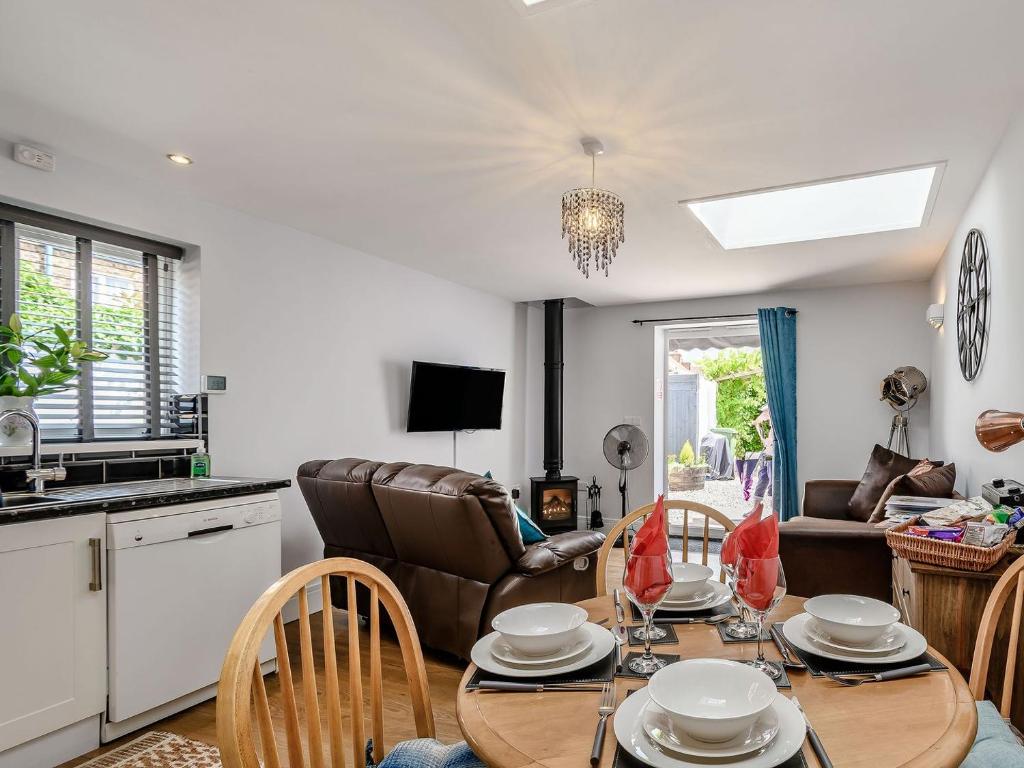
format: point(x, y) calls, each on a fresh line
point(315, 598)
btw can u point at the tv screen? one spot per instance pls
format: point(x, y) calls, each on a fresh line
point(446, 398)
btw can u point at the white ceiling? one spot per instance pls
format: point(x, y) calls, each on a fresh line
point(442, 133)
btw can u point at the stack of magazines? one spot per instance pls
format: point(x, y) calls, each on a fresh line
point(900, 509)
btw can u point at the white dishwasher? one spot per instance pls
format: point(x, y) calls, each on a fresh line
point(181, 578)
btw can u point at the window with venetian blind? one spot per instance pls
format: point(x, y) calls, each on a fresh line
point(115, 292)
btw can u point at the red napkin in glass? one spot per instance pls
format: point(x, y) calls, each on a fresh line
point(649, 578)
point(759, 573)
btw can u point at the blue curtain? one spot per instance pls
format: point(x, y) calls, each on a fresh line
point(778, 350)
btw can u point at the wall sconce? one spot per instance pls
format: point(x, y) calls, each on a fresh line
point(934, 315)
point(998, 430)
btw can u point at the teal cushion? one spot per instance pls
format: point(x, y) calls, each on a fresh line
point(527, 528)
point(995, 744)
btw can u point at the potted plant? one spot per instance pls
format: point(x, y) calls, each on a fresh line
point(32, 365)
point(685, 473)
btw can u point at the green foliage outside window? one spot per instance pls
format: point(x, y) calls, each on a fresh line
point(741, 394)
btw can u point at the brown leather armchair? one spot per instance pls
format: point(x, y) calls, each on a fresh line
point(825, 552)
point(449, 540)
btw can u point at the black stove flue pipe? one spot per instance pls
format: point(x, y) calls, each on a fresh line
point(553, 367)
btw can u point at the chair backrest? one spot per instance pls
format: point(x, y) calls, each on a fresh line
point(1010, 583)
point(242, 696)
point(621, 529)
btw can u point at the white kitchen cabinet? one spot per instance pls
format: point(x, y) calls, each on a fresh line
point(53, 630)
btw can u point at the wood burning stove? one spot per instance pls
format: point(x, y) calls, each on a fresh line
point(553, 503)
point(553, 497)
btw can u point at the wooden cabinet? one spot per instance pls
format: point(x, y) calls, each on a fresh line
point(945, 605)
point(53, 608)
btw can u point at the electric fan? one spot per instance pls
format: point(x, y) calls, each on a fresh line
point(626, 448)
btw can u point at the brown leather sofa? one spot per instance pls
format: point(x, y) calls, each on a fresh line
point(450, 541)
point(825, 552)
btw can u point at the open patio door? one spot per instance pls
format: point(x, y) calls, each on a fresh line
point(711, 394)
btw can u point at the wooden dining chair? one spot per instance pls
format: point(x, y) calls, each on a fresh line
point(621, 530)
point(242, 695)
point(996, 739)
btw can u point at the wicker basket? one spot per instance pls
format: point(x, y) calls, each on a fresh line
point(950, 554)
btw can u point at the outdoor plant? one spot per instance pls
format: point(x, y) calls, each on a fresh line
point(40, 362)
point(741, 394)
point(686, 457)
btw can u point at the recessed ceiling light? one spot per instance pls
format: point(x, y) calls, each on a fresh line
point(179, 159)
point(878, 202)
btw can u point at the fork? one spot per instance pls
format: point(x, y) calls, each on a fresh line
point(606, 709)
point(853, 680)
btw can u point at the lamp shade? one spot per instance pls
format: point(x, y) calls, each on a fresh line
point(998, 430)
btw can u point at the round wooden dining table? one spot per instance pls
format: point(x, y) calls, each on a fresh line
point(928, 721)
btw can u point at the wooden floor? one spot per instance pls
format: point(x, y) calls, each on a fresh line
point(443, 674)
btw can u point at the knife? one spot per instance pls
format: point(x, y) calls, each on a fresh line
point(812, 736)
point(619, 632)
point(503, 685)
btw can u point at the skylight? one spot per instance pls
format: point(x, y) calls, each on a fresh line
point(880, 202)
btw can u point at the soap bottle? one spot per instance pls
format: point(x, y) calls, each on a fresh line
point(200, 462)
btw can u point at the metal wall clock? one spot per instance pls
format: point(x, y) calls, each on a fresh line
point(972, 310)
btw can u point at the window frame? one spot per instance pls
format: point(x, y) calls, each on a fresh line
point(84, 234)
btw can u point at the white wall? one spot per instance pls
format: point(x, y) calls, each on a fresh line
point(315, 338)
point(847, 340)
point(997, 209)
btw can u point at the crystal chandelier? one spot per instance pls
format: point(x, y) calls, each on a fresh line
point(593, 219)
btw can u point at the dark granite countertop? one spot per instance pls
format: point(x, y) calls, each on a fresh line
point(117, 497)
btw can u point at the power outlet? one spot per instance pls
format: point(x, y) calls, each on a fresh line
point(34, 158)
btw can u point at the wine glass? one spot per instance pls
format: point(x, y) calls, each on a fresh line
point(760, 586)
point(647, 580)
point(738, 628)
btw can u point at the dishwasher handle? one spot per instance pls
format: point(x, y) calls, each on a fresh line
point(96, 552)
point(208, 531)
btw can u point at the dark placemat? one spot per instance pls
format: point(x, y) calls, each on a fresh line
point(668, 658)
point(819, 665)
point(725, 609)
point(727, 638)
point(670, 637)
point(624, 760)
point(598, 672)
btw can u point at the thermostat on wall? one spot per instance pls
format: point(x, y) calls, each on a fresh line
point(213, 385)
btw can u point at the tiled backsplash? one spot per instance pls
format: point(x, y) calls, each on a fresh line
point(94, 468)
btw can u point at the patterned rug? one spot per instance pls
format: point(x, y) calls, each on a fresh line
point(159, 750)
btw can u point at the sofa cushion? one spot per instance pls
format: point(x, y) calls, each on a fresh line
point(995, 744)
point(935, 482)
point(529, 531)
point(815, 526)
point(883, 467)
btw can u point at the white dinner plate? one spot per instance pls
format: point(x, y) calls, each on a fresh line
point(720, 594)
point(660, 729)
point(795, 632)
point(705, 594)
point(629, 732)
point(503, 652)
point(602, 643)
point(890, 642)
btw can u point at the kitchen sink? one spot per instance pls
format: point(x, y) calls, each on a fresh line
point(9, 500)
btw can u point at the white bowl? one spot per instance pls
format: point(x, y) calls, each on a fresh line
point(713, 700)
point(852, 619)
point(539, 629)
point(688, 580)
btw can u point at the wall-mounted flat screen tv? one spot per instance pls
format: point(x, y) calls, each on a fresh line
point(447, 398)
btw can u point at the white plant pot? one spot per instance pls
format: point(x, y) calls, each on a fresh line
point(16, 430)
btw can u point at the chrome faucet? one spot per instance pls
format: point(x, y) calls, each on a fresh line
point(37, 476)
